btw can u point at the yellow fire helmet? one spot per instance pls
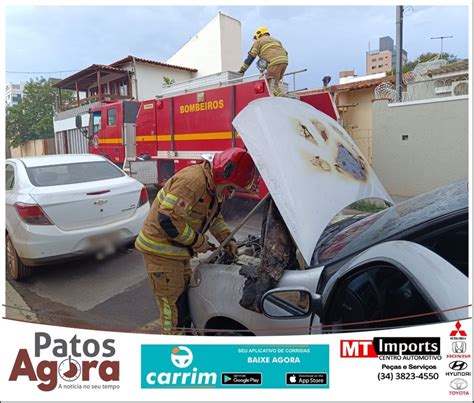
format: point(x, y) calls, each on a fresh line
point(261, 31)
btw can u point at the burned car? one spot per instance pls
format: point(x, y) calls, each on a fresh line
point(404, 265)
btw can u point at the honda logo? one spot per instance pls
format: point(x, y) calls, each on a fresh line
point(458, 365)
point(458, 384)
point(459, 347)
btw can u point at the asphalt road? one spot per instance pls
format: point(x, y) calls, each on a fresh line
point(113, 294)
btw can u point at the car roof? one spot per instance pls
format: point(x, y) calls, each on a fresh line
point(46, 160)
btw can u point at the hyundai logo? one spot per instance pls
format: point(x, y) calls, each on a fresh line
point(458, 384)
point(458, 365)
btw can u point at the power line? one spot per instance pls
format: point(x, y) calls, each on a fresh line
point(41, 72)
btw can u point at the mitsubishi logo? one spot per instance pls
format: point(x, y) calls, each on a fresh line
point(455, 332)
point(458, 365)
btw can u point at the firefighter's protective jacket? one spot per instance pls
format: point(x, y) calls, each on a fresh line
point(268, 48)
point(184, 209)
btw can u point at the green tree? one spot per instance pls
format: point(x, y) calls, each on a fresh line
point(168, 81)
point(32, 117)
point(425, 57)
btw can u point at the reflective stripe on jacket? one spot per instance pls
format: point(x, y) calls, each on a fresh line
point(271, 49)
point(184, 208)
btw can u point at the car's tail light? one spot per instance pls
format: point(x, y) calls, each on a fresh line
point(32, 214)
point(143, 197)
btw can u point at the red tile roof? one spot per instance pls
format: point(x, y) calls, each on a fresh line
point(357, 85)
point(86, 76)
point(450, 68)
point(130, 58)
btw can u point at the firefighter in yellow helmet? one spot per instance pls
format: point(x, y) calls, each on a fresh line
point(185, 208)
point(270, 49)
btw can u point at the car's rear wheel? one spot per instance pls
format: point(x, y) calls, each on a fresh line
point(15, 267)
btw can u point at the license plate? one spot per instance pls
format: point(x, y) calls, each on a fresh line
point(104, 240)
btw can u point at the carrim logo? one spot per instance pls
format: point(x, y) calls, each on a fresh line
point(458, 365)
point(182, 357)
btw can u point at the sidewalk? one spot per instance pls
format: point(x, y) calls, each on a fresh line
point(16, 307)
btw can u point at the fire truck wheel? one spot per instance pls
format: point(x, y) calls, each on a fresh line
point(16, 268)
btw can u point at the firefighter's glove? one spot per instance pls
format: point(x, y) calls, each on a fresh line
point(241, 71)
point(231, 248)
point(201, 245)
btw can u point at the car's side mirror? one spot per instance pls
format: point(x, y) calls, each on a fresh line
point(78, 121)
point(290, 303)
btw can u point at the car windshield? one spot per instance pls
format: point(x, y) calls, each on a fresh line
point(380, 226)
point(67, 174)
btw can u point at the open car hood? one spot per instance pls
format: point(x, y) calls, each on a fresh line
point(311, 166)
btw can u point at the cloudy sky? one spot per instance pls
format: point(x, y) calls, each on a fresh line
point(322, 39)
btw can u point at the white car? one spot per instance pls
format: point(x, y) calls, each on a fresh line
point(64, 206)
point(405, 265)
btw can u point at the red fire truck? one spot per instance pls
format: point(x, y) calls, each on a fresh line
point(153, 139)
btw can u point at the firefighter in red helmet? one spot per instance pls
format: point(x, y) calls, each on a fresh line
point(186, 208)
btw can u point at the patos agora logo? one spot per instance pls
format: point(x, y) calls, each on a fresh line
point(71, 360)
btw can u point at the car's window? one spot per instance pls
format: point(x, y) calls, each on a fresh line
point(452, 244)
point(96, 121)
point(9, 177)
point(378, 296)
point(111, 117)
point(390, 222)
point(66, 174)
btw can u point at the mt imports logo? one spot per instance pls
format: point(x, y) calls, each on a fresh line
point(181, 358)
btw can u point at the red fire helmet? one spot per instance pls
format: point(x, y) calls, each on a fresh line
point(234, 167)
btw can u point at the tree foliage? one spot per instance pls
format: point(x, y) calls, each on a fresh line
point(32, 117)
point(168, 81)
point(425, 57)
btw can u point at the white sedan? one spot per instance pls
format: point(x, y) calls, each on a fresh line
point(63, 206)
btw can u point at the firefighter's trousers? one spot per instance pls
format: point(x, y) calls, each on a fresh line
point(169, 280)
point(275, 74)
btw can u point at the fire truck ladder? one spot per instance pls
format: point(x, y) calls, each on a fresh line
point(219, 80)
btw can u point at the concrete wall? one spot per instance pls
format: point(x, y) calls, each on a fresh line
point(34, 148)
point(231, 44)
point(215, 48)
point(357, 119)
point(420, 145)
point(150, 79)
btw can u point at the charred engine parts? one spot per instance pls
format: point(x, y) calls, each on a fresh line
point(249, 251)
point(277, 253)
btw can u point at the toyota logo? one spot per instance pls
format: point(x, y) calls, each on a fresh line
point(458, 384)
point(458, 365)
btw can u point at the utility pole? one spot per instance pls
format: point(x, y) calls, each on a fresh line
point(399, 49)
point(441, 38)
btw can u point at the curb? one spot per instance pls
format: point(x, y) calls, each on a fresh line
point(15, 306)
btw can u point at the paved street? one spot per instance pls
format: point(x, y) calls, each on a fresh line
point(113, 294)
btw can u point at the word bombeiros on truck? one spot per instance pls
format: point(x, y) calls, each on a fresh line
point(155, 138)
